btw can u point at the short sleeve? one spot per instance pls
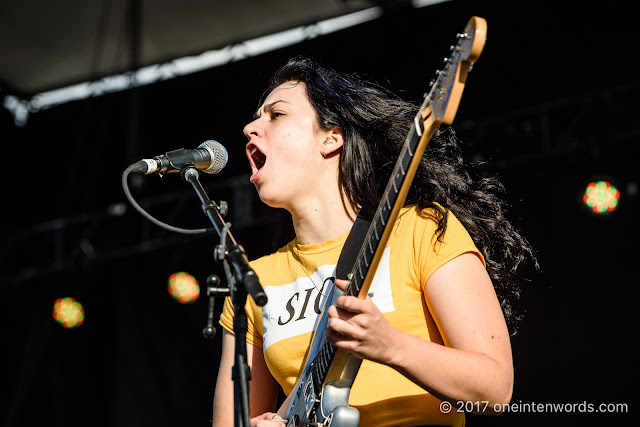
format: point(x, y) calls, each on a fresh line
point(435, 253)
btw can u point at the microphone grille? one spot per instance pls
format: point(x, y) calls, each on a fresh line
point(218, 154)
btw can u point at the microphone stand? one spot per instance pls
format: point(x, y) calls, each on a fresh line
point(237, 270)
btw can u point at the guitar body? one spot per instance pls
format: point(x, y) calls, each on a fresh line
point(321, 395)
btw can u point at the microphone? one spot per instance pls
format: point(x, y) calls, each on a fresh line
point(209, 157)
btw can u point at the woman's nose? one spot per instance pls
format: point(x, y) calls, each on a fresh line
point(252, 129)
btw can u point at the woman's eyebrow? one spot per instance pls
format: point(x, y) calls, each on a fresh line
point(267, 108)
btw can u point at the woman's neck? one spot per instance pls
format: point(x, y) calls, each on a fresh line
point(320, 221)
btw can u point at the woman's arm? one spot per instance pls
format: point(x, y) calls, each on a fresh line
point(263, 389)
point(474, 366)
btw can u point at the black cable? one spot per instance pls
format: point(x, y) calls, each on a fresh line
point(125, 187)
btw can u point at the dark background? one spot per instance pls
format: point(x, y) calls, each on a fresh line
point(550, 106)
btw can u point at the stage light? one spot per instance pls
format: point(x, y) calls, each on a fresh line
point(601, 197)
point(183, 287)
point(68, 312)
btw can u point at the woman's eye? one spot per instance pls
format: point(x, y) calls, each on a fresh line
point(276, 114)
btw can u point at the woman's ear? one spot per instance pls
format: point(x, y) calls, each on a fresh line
point(333, 142)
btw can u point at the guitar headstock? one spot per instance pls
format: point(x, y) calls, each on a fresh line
point(446, 90)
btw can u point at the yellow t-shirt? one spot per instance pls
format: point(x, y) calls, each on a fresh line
point(295, 279)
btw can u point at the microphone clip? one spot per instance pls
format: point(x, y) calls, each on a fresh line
point(174, 161)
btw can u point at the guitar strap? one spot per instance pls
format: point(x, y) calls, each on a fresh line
point(352, 246)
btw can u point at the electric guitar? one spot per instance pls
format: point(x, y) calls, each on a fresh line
point(321, 395)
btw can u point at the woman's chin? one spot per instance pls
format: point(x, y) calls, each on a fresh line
point(270, 200)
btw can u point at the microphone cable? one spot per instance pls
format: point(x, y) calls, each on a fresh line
point(127, 192)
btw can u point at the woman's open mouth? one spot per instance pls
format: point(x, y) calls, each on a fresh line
point(257, 159)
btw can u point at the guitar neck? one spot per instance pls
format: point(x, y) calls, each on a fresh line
point(391, 202)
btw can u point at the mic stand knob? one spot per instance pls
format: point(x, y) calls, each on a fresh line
point(213, 291)
point(223, 208)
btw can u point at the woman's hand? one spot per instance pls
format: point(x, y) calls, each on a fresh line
point(268, 419)
point(358, 326)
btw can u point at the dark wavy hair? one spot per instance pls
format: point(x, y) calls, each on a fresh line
point(375, 123)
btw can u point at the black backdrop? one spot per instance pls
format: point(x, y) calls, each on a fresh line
point(548, 107)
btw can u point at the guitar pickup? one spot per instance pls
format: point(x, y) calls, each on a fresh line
point(309, 396)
